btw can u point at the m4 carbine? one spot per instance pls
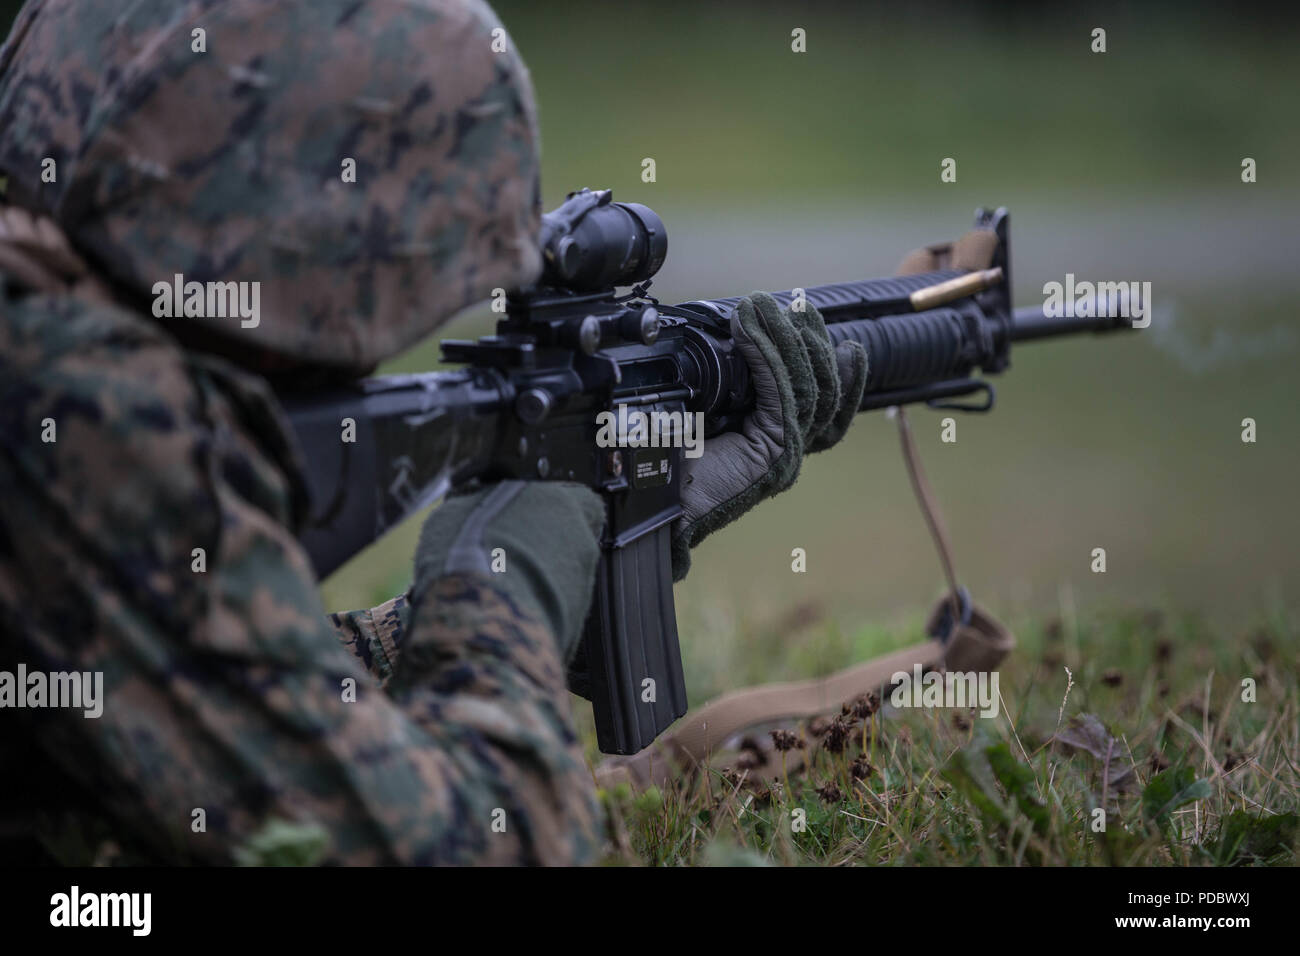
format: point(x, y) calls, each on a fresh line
point(526, 405)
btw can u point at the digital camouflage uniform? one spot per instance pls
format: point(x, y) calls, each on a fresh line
point(225, 685)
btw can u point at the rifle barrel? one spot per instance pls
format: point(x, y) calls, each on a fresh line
point(1033, 322)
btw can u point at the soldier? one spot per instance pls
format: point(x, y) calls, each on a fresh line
point(368, 168)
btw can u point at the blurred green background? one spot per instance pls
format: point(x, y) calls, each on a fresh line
point(776, 169)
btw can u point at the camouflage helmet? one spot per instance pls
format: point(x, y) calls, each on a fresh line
point(216, 139)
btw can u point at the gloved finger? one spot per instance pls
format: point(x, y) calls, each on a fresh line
point(793, 357)
point(852, 363)
point(772, 431)
point(821, 358)
point(774, 403)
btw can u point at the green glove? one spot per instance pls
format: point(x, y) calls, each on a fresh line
point(806, 392)
point(548, 533)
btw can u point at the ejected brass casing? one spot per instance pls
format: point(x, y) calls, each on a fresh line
point(936, 295)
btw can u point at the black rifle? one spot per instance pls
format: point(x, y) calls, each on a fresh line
point(526, 405)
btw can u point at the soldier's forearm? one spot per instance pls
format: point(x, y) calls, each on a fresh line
point(484, 674)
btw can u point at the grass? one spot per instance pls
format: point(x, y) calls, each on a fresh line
point(1213, 780)
point(1187, 772)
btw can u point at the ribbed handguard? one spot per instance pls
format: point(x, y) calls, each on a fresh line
point(844, 301)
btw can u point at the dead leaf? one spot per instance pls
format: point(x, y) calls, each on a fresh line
point(1086, 732)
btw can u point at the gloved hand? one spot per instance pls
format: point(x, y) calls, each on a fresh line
point(806, 396)
point(549, 536)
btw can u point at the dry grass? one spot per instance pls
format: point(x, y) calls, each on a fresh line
point(1214, 780)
